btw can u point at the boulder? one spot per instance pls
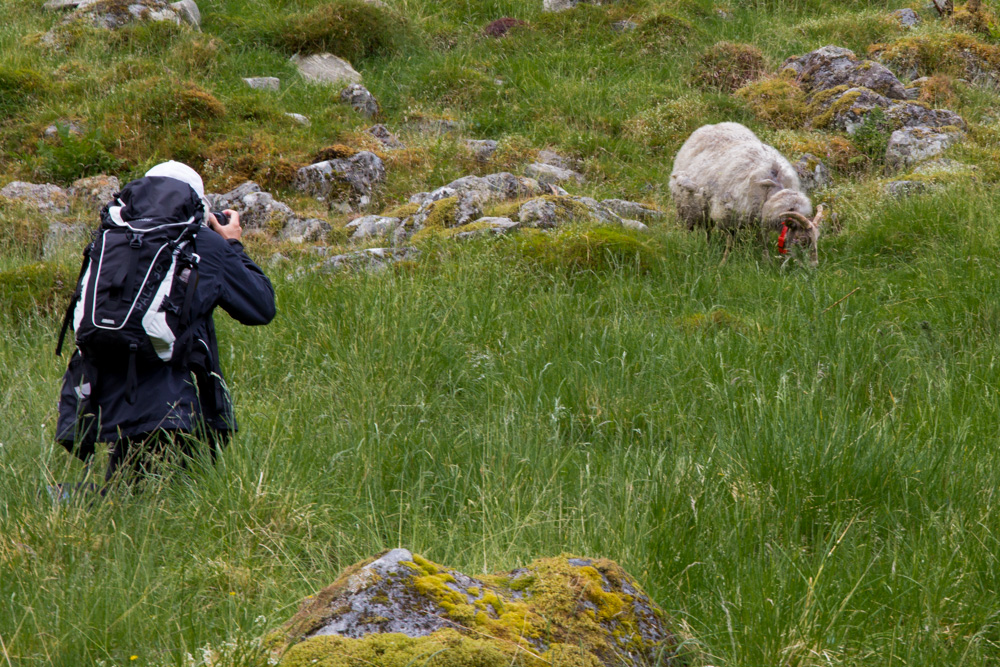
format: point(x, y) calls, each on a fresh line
point(372, 225)
point(47, 198)
point(387, 138)
point(907, 18)
point(633, 210)
point(482, 149)
point(258, 210)
point(911, 145)
point(349, 180)
point(488, 226)
point(360, 99)
point(188, 12)
point(300, 119)
point(847, 109)
point(833, 66)
point(813, 173)
point(326, 68)
point(399, 608)
point(371, 259)
point(263, 82)
point(547, 173)
point(540, 213)
point(113, 14)
point(62, 236)
point(546, 156)
point(95, 191)
point(305, 231)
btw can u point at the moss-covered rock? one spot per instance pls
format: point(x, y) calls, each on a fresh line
point(779, 102)
point(957, 54)
point(400, 609)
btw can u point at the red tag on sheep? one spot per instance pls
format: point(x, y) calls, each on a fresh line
point(781, 240)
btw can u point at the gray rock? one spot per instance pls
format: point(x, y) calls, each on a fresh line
point(900, 189)
point(47, 198)
point(263, 82)
point(482, 149)
point(188, 12)
point(634, 210)
point(635, 225)
point(372, 225)
point(850, 117)
point(305, 231)
point(300, 119)
point(489, 226)
point(813, 173)
point(359, 173)
point(539, 213)
point(492, 187)
point(62, 236)
point(624, 26)
point(64, 5)
point(112, 16)
point(95, 191)
point(258, 210)
point(74, 128)
point(908, 114)
point(326, 68)
point(371, 259)
point(911, 145)
point(906, 18)
point(546, 156)
point(558, 5)
point(384, 596)
point(833, 66)
point(387, 138)
point(360, 99)
point(547, 173)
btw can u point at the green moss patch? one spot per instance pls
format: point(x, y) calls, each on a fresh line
point(779, 102)
point(727, 66)
point(958, 54)
point(587, 248)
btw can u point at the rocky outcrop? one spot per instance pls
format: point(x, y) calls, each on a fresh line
point(547, 173)
point(95, 191)
point(372, 225)
point(813, 173)
point(907, 18)
point(399, 607)
point(360, 100)
point(833, 66)
point(47, 198)
point(482, 149)
point(326, 69)
point(347, 180)
point(371, 259)
point(305, 231)
point(258, 210)
point(114, 14)
point(912, 145)
point(388, 140)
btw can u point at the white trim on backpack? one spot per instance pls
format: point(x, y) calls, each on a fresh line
point(138, 291)
point(154, 322)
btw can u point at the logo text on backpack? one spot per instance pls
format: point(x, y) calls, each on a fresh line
point(105, 320)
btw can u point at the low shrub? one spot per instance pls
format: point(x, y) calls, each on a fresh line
point(779, 102)
point(667, 124)
point(727, 66)
point(161, 101)
point(579, 248)
point(664, 32)
point(872, 137)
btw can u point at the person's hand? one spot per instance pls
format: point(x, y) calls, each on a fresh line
point(230, 232)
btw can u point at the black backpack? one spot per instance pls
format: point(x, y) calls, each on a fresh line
point(138, 278)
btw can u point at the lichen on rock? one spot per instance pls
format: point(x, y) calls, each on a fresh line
point(401, 608)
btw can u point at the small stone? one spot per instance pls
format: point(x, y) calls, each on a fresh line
point(634, 225)
point(911, 145)
point(326, 68)
point(482, 149)
point(813, 173)
point(546, 156)
point(547, 173)
point(47, 198)
point(299, 118)
point(558, 5)
point(188, 11)
point(62, 236)
point(360, 99)
point(372, 225)
point(387, 138)
point(263, 82)
point(906, 17)
point(74, 128)
point(631, 209)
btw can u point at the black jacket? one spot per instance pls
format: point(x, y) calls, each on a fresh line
point(168, 397)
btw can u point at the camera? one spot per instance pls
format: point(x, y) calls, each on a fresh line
point(222, 217)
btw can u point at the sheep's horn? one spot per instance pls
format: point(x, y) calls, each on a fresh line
point(797, 217)
point(820, 213)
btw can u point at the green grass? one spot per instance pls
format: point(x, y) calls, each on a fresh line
point(800, 466)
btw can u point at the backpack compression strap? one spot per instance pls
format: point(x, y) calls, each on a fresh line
point(72, 302)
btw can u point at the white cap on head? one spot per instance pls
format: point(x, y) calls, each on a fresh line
point(181, 172)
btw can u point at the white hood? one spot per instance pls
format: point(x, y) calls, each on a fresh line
point(181, 172)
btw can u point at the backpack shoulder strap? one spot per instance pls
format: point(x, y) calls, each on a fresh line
point(76, 297)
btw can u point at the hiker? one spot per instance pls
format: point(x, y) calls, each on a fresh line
point(145, 376)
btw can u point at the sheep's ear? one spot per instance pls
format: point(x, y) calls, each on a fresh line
point(769, 183)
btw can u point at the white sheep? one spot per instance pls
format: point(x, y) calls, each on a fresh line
point(725, 177)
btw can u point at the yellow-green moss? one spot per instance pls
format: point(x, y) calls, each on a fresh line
point(334, 152)
point(779, 102)
point(974, 17)
point(937, 53)
point(444, 648)
point(442, 213)
point(845, 99)
point(402, 211)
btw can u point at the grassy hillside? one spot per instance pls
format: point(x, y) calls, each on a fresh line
point(799, 465)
